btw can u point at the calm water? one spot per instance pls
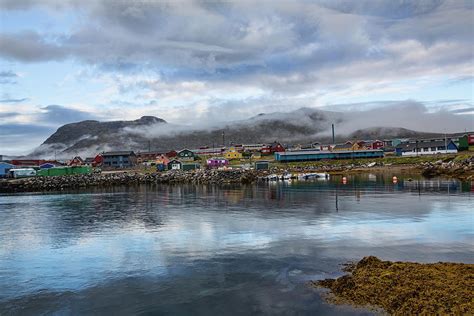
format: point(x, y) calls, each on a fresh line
point(217, 251)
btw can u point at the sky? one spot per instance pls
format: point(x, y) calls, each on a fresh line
point(195, 62)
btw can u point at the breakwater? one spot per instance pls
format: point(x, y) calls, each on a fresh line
point(59, 183)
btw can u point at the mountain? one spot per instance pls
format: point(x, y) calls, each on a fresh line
point(304, 125)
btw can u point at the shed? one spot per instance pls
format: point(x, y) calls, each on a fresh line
point(190, 166)
point(262, 165)
point(4, 168)
point(174, 164)
point(22, 173)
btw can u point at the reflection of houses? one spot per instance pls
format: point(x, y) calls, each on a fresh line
point(185, 155)
point(232, 153)
point(426, 147)
point(119, 159)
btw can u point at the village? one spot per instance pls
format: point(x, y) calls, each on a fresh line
point(235, 156)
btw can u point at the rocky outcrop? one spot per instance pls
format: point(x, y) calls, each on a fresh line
point(463, 169)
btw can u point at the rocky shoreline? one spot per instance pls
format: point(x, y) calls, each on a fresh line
point(60, 183)
point(462, 169)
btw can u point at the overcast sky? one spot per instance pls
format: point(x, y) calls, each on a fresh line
point(191, 62)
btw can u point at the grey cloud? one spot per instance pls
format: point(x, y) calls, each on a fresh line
point(8, 77)
point(20, 138)
point(280, 46)
point(10, 100)
point(57, 114)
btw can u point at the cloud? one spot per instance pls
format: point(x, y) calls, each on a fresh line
point(57, 114)
point(8, 77)
point(10, 100)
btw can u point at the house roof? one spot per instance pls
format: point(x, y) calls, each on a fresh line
point(319, 152)
point(118, 153)
point(343, 146)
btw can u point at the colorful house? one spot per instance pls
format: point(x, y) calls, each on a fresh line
point(426, 147)
point(174, 164)
point(262, 165)
point(276, 148)
point(119, 159)
point(4, 168)
point(94, 161)
point(232, 153)
point(185, 155)
point(377, 144)
point(217, 162)
point(76, 161)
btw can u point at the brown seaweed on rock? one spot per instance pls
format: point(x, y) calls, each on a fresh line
point(406, 288)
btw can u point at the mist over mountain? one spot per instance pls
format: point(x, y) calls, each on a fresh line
point(304, 125)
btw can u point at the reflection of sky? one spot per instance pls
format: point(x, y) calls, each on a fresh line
point(77, 240)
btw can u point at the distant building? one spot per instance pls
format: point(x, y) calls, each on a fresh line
point(426, 147)
point(146, 156)
point(232, 153)
point(377, 144)
point(215, 151)
point(171, 154)
point(4, 168)
point(94, 161)
point(217, 162)
point(76, 161)
point(262, 165)
point(185, 155)
point(27, 162)
point(316, 155)
point(174, 164)
point(253, 147)
point(276, 147)
point(119, 159)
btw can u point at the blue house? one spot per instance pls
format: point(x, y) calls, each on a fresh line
point(4, 168)
point(119, 159)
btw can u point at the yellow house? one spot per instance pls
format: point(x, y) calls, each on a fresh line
point(232, 154)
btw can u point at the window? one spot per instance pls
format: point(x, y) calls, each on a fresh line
point(425, 149)
point(441, 148)
point(433, 148)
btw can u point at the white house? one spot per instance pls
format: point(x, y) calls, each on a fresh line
point(426, 147)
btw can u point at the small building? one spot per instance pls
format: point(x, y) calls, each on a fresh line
point(426, 147)
point(185, 155)
point(21, 173)
point(94, 161)
point(262, 165)
point(266, 150)
point(4, 168)
point(27, 162)
point(171, 154)
point(119, 159)
point(206, 151)
point(174, 164)
point(470, 139)
point(377, 144)
point(317, 155)
point(217, 162)
point(232, 153)
point(276, 147)
point(187, 166)
point(147, 156)
point(253, 147)
point(76, 161)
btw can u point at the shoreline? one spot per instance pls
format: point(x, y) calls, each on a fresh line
point(404, 288)
point(462, 170)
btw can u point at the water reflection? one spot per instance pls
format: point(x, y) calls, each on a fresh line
point(176, 249)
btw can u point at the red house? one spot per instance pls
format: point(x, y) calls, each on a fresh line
point(277, 148)
point(171, 154)
point(28, 162)
point(470, 139)
point(377, 144)
point(266, 150)
point(76, 161)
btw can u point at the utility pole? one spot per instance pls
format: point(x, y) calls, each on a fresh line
point(149, 145)
point(223, 139)
point(445, 143)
